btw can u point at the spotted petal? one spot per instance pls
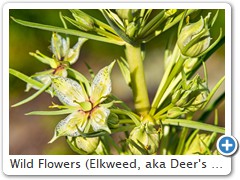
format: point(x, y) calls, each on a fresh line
point(101, 85)
point(59, 46)
point(98, 119)
point(71, 125)
point(68, 91)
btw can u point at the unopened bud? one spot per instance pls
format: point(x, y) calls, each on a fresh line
point(128, 14)
point(199, 144)
point(85, 22)
point(146, 137)
point(194, 38)
point(83, 145)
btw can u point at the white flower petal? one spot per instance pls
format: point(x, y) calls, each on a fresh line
point(101, 85)
point(68, 91)
point(98, 119)
point(71, 125)
point(73, 53)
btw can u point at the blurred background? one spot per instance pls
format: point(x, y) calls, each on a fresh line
point(29, 135)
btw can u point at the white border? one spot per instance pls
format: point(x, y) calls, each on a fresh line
point(5, 47)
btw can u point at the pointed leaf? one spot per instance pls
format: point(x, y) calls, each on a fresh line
point(125, 70)
point(32, 96)
point(67, 31)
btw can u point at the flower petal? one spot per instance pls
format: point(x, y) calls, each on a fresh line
point(101, 85)
point(59, 46)
point(71, 125)
point(68, 91)
point(98, 119)
point(73, 53)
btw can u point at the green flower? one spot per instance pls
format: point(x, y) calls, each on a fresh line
point(89, 112)
point(63, 56)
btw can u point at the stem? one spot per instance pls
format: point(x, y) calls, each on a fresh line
point(138, 82)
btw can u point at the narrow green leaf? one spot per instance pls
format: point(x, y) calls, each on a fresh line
point(194, 125)
point(213, 91)
point(32, 96)
point(143, 151)
point(25, 78)
point(67, 31)
point(123, 65)
point(90, 70)
point(130, 114)
point(52, 113)
point(116, 27)
point(123, 128)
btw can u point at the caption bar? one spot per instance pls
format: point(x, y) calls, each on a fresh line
point(118, 165)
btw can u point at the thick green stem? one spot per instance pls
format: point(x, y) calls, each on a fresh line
point(138, 82)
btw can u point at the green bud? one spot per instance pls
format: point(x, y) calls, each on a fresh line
point(85, 22)
point(128, 14)
point(131, 29)
point(194, 38)
point(199, 144)
point(189, 64)
point(175, 112)
point(184, 99)
point(146, 137)
point(83, 145)
point(113, 121)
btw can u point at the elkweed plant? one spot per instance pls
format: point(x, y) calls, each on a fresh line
point(168, 124)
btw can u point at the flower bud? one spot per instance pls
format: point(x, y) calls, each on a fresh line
point(128, 14)
point(146, 137)
point(83, 145)
point(194, 38)
point(175, 112)
point(131, 29)
point(85, 22)
point(198, 145)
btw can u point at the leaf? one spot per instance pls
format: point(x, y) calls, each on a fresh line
point(213, 91)
point(194, 125)
point(67, 31)
point(25, 78)
point(123, 65)
point(32, 96)
point(130, 114)
point(52, 113)
point(110, 19)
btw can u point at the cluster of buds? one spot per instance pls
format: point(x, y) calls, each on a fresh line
point(190, 97)
point(130, 20)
